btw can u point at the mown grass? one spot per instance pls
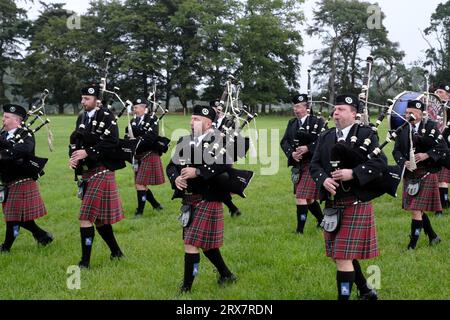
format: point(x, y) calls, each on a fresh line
point(271, 261)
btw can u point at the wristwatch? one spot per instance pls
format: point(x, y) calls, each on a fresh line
point(198, 172)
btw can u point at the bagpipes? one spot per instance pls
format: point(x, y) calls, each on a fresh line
point(100, 128)
point(344, 156)
point(349, 156)
point(317, 128)
point(234, 113)
point(149, 140)
point(308, 134)
point(231, 180)
point(365, 90)
point(28, 165)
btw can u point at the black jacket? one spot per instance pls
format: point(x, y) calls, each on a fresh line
point(143, 127)
point(296, 136)
point(15, 158)
point(101, 148)
point(423, 143)
point(146, 131)
point(193, 156)
point(365, 172)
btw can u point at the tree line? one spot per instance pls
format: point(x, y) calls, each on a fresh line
point(189, 47)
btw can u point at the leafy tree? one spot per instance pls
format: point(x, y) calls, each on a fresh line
point(55, 60)
point(268, 46)
point(439, 56)
point(343, 27)
point(13, 29)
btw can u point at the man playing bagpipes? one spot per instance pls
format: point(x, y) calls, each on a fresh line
point(419, 150)
point(192, 172)
point(344, 173)
point(443, 92)
point(92, 145)
point(219, 123)
point(299, 144)
point(21, 200)
point(147, 161)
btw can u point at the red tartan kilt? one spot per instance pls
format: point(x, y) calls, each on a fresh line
point(444, 175)
point(150, 170)
point(357, 237)
point(24, 202)
point(306, 187)
point(101, 202)
point(428, 198)
point(206, 228)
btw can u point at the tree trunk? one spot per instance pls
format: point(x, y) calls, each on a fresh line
point(3, 99)
point(183, 102)
point(76, 109)
point(168, 92)
point(353, 62)
point(145, 84)
point(331, 79)
point(60, 108)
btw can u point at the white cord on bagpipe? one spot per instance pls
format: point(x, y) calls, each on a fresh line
point(35, 111)
point(412, 158)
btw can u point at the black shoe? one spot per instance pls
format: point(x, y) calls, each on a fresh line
point(83, 265)
point(435, 241)
point(44, 240)
point(236, 213)
point(138, 214)
point(227, 279)
point(371, 295)
point(117, 256)
point(3, 249)
point(299, 231)
point(412, 243)
point(184, 290)
point(157, 207)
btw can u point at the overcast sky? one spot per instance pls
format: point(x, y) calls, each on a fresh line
point(404, 19)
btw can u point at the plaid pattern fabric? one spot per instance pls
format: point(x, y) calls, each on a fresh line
point(357, 237)
point(206, 228)
point(150, 171)
point(443, 175)
point(428, 198)
point(24, 202)
point(101, 202)
point(306, 187)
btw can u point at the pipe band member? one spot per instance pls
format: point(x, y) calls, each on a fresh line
point(148, 166)
point(426, 152)
point(356, 238)
point(22, 201)
point(192, 177)
point(299, 143)
point(443, 92)
point(220, 123)
point(101, 203)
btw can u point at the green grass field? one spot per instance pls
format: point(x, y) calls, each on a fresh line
point(271, 261)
